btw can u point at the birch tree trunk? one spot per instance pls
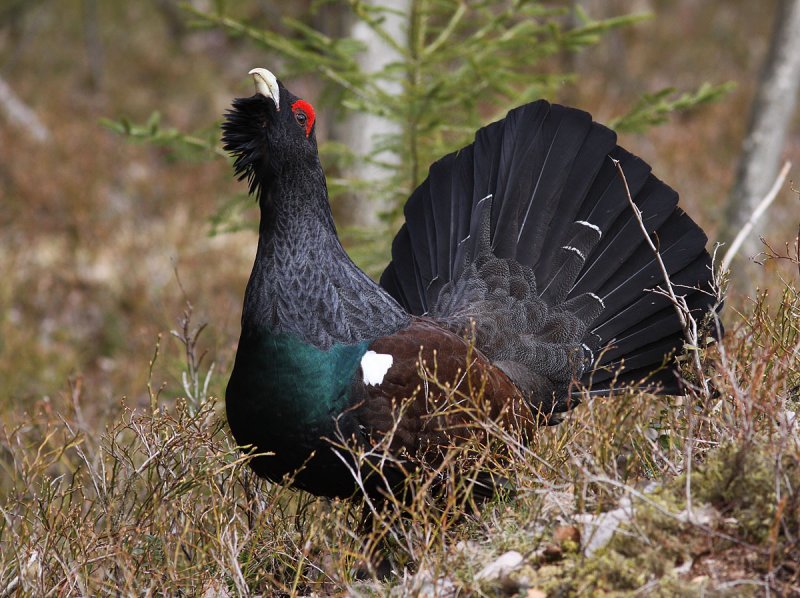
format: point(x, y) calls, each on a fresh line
point(361, 131)
point(770, 118)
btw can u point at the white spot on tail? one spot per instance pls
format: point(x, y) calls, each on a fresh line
point(590, 225)
point(574, 250)
point(600, 301)
point(374, 367)
point(589, 351)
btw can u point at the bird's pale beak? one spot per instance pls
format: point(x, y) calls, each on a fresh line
point(267, 85)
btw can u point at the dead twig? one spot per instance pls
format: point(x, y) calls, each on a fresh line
point(754, 217)
point(689, 326)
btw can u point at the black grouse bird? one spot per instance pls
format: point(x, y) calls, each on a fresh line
point(523, 241)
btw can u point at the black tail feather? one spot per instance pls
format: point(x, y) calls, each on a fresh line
point(586, 167)
point(409, 288)
point(624, 238)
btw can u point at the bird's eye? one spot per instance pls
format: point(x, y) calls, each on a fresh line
point(304, 115)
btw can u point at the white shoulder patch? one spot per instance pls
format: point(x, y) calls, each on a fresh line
point(374, 367)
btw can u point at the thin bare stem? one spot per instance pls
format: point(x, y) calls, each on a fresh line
point(638, 214)
point(755, 216)
point(689, 326)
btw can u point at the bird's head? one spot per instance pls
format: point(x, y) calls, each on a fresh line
point(269, 131)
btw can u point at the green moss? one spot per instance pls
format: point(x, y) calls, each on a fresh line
point(645, 551)
point(743, 482)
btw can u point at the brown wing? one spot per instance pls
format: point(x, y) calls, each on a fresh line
point(435, 393)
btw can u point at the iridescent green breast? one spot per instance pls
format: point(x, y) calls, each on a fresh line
point(285, 397)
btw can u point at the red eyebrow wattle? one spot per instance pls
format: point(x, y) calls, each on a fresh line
point(309, 111)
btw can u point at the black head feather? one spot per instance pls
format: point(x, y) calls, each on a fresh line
point(244, 135)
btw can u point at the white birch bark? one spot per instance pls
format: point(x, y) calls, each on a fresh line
point(770, 118)
point(360, 132)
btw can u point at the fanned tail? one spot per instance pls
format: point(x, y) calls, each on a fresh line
point(528, 232)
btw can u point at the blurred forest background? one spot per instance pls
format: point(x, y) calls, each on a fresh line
point(103, 240)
